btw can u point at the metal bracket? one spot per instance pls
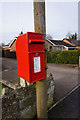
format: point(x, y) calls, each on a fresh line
point(46, 68)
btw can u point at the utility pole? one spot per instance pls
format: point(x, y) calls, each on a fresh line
point(41, 87)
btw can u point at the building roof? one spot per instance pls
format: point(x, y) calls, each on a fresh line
point(76, 42)
point(12, 41)
point(60, 42)
point(69, 40)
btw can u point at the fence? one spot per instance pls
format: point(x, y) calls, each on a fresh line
point(8, 54)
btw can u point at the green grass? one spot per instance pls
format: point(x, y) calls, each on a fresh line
point(0, 89)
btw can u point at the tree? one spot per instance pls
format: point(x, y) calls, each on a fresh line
point(74, 36)
point(48, 36)
point(2, 44)
point(69, 35)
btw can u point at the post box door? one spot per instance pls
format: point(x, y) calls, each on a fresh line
point(37, 68)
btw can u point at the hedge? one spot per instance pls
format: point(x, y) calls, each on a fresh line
point(63, 57)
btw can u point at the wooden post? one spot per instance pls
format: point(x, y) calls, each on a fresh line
point(41, 89)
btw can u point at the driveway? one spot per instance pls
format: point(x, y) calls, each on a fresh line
point(65, 76)
point(9, 72)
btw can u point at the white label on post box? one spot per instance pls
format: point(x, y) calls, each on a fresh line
point(37, 67)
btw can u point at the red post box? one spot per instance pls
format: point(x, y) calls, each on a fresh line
point(30, 56)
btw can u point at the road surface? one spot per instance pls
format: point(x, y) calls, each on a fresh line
point(65, 76)
point(67, 108)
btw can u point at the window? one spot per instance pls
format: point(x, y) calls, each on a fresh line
point(50, 48)
point(59, 48)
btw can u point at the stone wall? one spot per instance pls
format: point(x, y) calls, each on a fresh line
point(21, 103)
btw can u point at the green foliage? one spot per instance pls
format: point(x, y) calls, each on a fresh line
point(63, 57)
point(0, 89)
point(74, 36)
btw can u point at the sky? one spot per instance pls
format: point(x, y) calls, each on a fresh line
point(61, 18)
